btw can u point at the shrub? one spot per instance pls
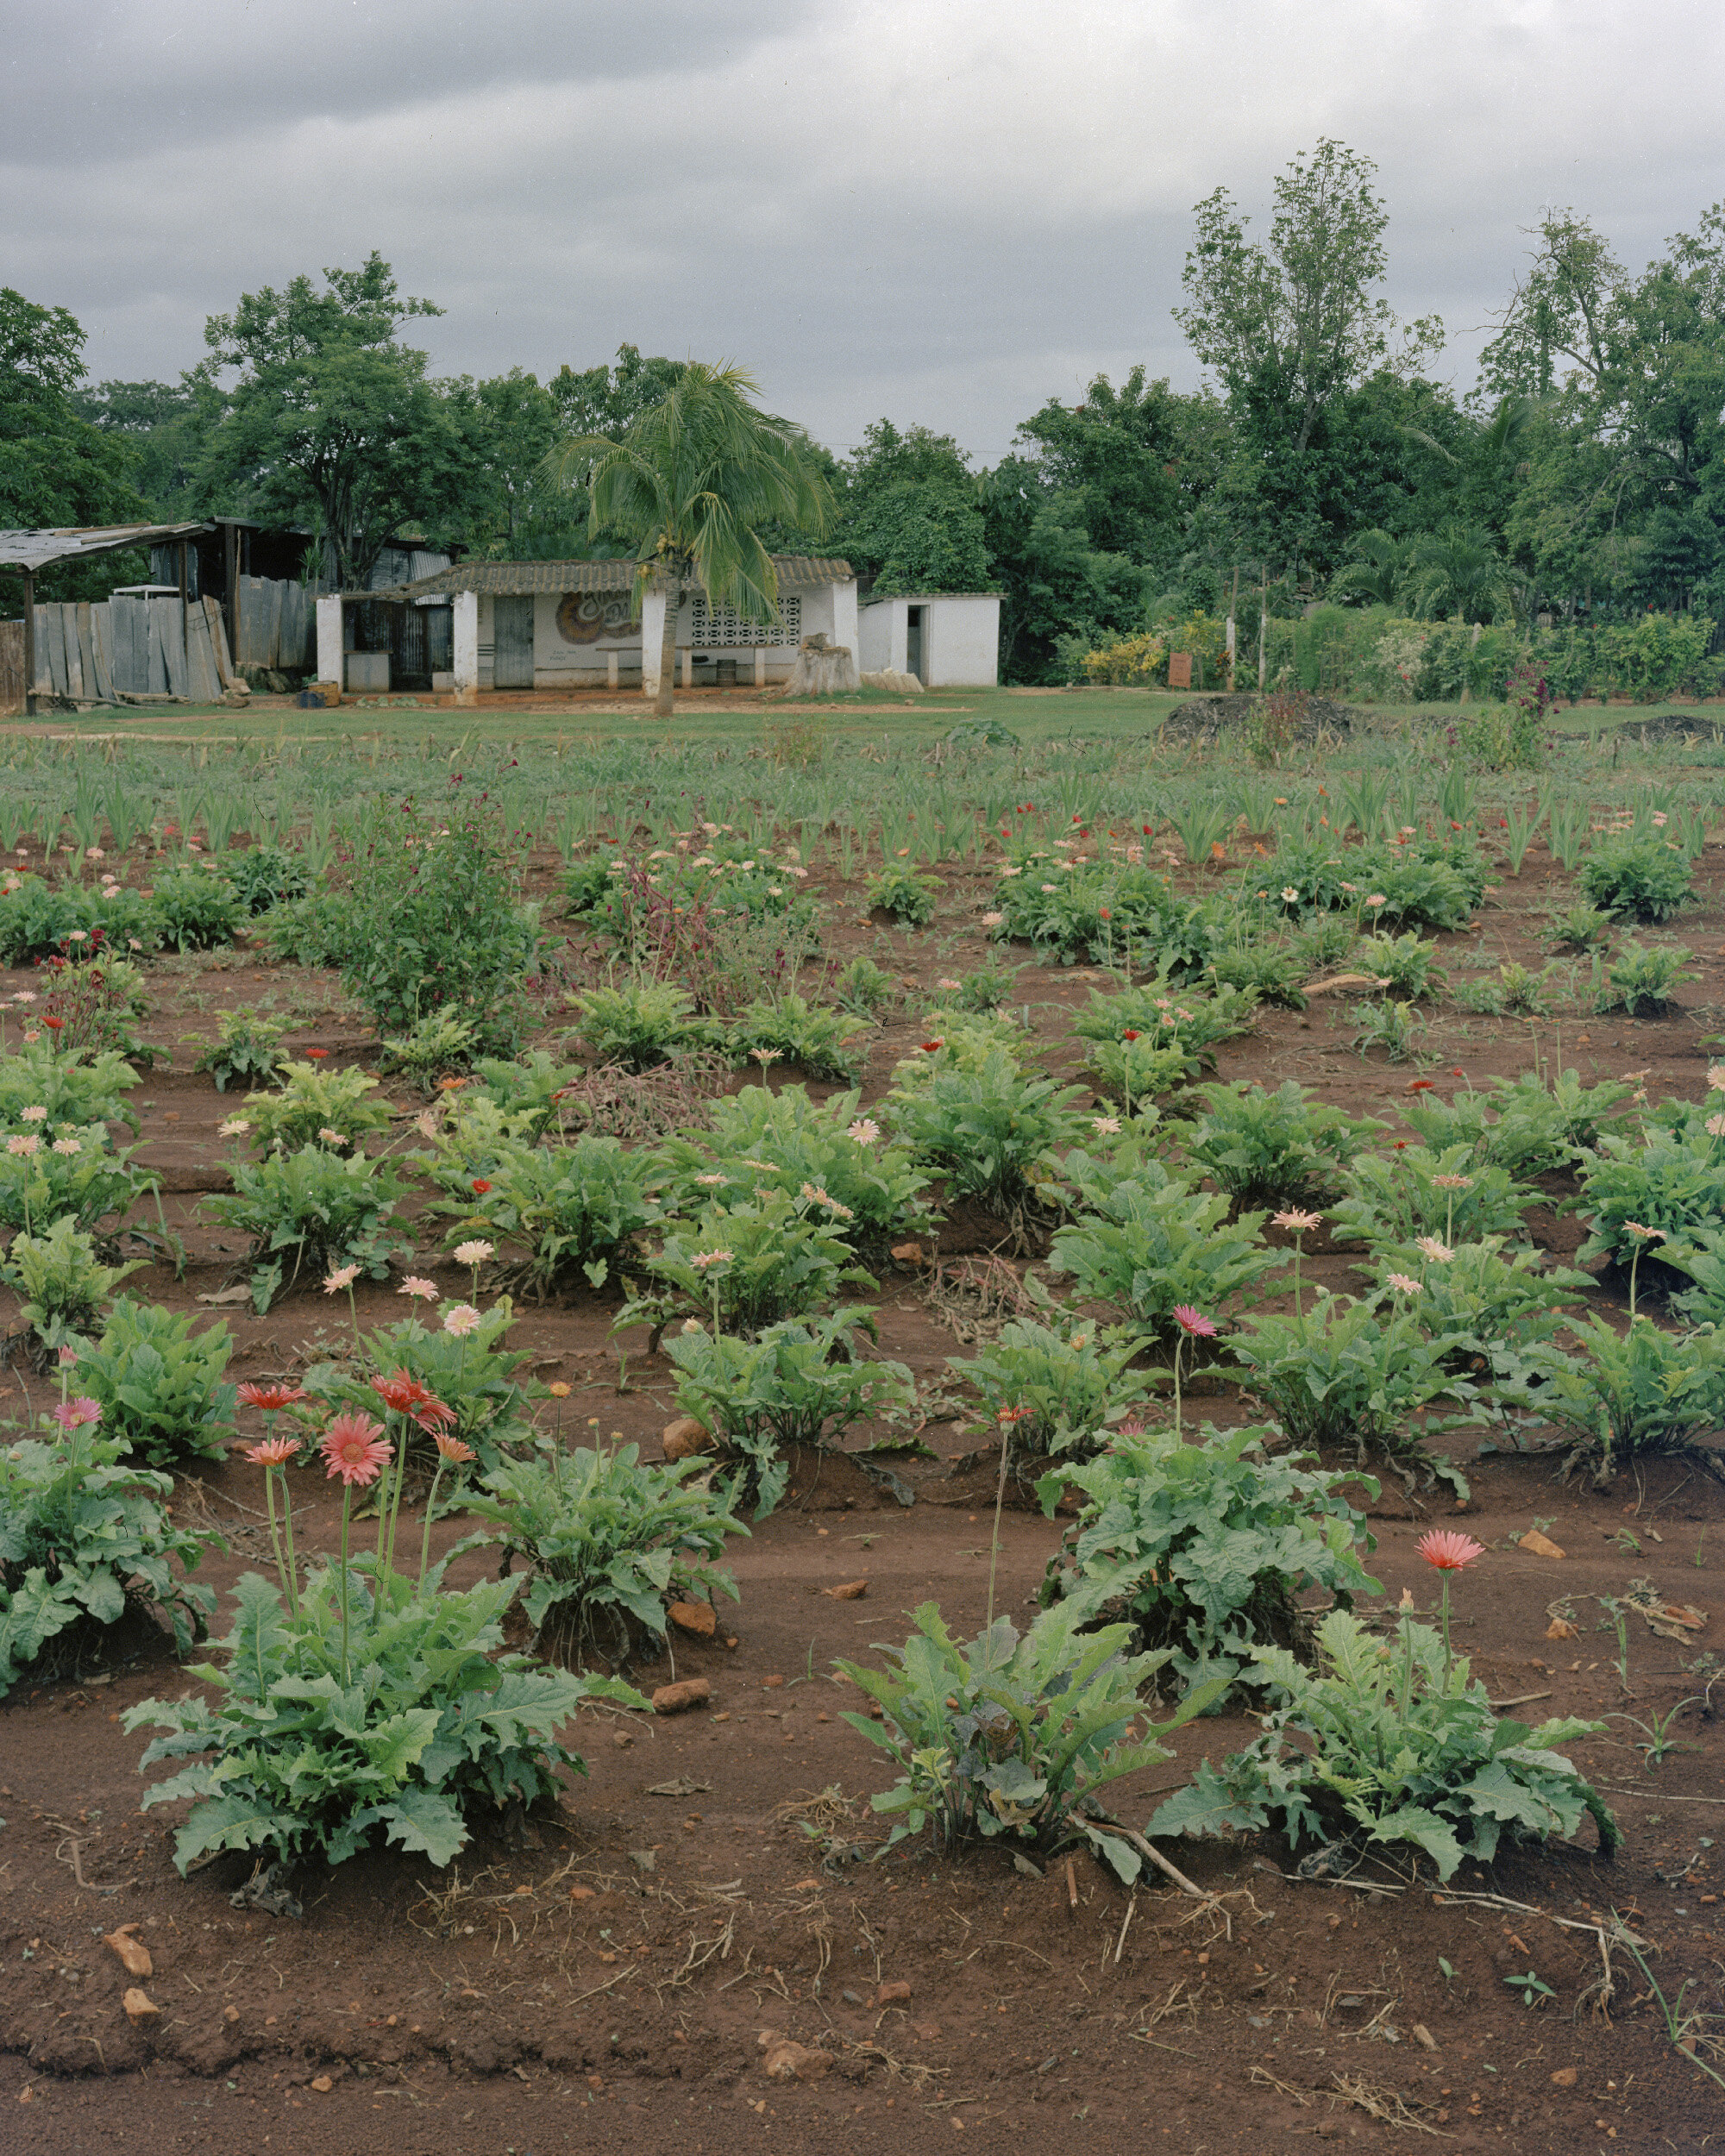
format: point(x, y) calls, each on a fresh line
point(96, 1004)
point(528, 1087)
point(1274, 973)
point(51, 1172)
point(433, 920)
point(1636, 878)
point(864, 988)
point(1701, 1257)
point(1404, 1742)
point(308, 1749)
point(785, 1141)
point(1580, 928)
point(1132, 1071)
point(1658, 1181)
point(310, 1213)
point(476, 1375)
point(1351, 1374)
point(746, 1267)
point(787, 1028)
point(1152, 1241)
point(1525, 1125)
point(989, 1131)
point(314, 929)
point(899, 891)
point(264, 877)
point(76, 1087)
point(1488, 1312)
point(246, 1047)
point(1280, 1149)
point(1013, 1734)
point(641, 1025)
point(1407, 965)
point(160, 1385)
point(84, 1542)
point(195, 908)
point(1061, 1390)
point(605, 1540)
point(1398, 1197)
point(1204, 1549)
point(1154, 1017)
point(38, 919)
point(59, 1283)
point(437, 1042)
point(1101, 911)
point(316, 1108)
point(801, 1382)
point(1640, 981)
point(1389, 1026)
point(1637, 1393)
point(558, 1209)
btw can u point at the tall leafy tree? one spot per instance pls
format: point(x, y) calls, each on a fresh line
point(692, 484)
point(910, 516)
point(331, 418)
point(56, 467)
point(1289, 327)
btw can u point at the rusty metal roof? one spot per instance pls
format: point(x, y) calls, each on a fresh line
point(509, 579)
point(66, 542)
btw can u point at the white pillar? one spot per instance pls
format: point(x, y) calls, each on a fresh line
point(331, 665)
point(760, 665)
point(611, 669)
point(845, 629)
point(899, 637)
point(464, 657)
point(688, 665)
point(652, 640)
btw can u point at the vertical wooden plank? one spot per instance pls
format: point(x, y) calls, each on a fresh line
point(208, 688)
point(86, 651)
point(159, 684)
point(55, 641)
point(74, 657)
point(101, 648)
point(167, 614)
point(12, 675)
point(218, 645)
point(130, 660)
point(277, 588)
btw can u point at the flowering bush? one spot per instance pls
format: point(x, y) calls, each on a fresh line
point(747, 1266)
point(312, 1211)
point(76, 1087)
point(1632, 1394)
point(557, 1209)
point(1397, 1197)
point(1657, 1186)
point(86, 1541)
point(51, 1172)
point(1060, 1390)
point(468, 1366)
point(361, 1703)
point(247, 1046)
point(60, 1283)
point(313, 1106)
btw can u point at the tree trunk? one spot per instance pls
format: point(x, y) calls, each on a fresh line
point(668, 643)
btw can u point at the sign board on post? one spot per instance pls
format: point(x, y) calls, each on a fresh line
point(1179, 669)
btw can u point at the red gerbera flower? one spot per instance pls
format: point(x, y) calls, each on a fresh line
point(401, 1392)
point(1193, 1323)
point(353, 1450)
point(271, 1398)
point(481, 1186)
point(1448, 1551)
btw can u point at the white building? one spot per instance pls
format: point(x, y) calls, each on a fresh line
point(568, 625)
point(948, 640)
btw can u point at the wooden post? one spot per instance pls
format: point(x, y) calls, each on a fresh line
point(29, 644)
point(1234, 609)
point(184, 640)
point(230, 555)
point(1263, 625)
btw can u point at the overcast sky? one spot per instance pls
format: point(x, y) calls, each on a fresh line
point(937, 210)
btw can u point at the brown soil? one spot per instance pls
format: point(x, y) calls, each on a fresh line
point(618, 1976)
point(1208, 718)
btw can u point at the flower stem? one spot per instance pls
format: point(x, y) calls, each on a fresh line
point(275, 1531)
point(1000, 1499)
point(1178, 1344)
point(430, 1515)
point(1444, 1604)
point(347, 1507)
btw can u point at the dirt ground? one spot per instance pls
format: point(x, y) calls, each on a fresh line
point(702, 1890)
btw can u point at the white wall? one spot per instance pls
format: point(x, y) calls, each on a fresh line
point(962, 642)
point(881, 636)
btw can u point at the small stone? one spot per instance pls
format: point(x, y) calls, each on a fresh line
point(135, 1956)
point(677, 1699)
point(851, 1591)
point(1539, 1545)
point(909, 1254)
point(582, 1894)
point(140, 2008)
point(323, 2084)
point(684, 1438)
point(622, 1739)
point(786, 2061)
point(771, 1683)
point(695, 1617)
point(1424, 2037)
point(1565, 2077)
point(893, 1994)
point(230, 2014)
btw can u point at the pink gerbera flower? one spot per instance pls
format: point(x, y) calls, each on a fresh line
point(73, 1414)
point(272, 1452)
point(354, 1450)
point(1193, 1323)
point(1448, 1551)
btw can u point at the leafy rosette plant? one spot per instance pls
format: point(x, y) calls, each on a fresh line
point(51, 1172)
point(1392, 1743)
point(464, 1359)
point(798, 1382)
point(992, 1133)
point(87, 1540)
point(361, 1704)
point(310, 1213)
point(1014, 1734)
point(1525, 1125)
point(1281, 1148)
point(1160, 1016)
point(162, 1387)
point(1393, 1198)
point(606, 1539)
point(1205, 1549)
point(1491, 1306)
point(1632, 1394)
point(556, 1211)
point(1065, 1386)
point(1660, 1181)
point(749, 1266)
point(314, 1107)
point(760, 1139)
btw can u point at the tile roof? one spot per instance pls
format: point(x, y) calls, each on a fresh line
point(797, 572)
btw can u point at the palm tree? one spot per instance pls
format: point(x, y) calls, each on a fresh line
point(1457, 571)
point(1376, 566)
point(690, 484)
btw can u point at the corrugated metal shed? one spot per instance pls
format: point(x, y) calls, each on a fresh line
point(512, 579)
point(36, 549)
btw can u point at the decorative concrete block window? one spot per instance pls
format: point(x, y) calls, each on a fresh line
point(717, 627)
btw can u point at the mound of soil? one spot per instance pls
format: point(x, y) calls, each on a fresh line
point(1206, 718)
point(1673, 726)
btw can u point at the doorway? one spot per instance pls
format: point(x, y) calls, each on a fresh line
point(512, 642)
point(916, 643)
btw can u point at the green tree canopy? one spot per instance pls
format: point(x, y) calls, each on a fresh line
point(910, 516)
point(331, 418)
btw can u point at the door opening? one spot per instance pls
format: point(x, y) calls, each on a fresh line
point(915, 643)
